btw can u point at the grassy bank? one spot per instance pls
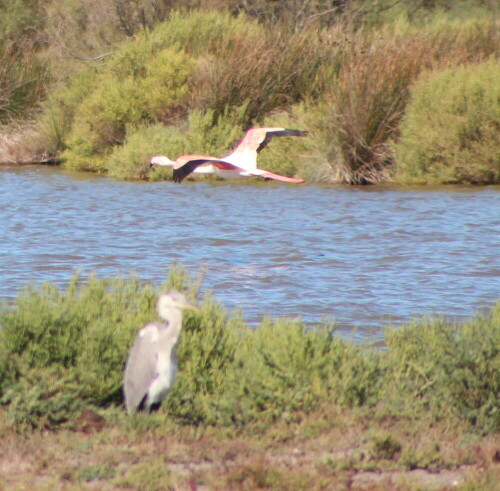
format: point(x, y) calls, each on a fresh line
point(143, 78)
point(248, 404)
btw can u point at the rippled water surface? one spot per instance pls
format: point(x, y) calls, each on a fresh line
point(365, 257)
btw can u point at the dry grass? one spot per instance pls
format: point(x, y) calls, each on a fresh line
point(270, 72)
point(22, 144)
point(345, 453)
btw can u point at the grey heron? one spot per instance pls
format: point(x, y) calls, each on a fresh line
point(151, 367)
point(241, 162)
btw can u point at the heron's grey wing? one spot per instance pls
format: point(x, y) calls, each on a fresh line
point(141, 366)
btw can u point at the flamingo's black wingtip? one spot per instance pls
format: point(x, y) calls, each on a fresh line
point(290, 132)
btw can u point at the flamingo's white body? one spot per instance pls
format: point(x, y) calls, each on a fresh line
point(242, 162)
point(162, 161)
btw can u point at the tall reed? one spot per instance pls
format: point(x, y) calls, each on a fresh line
point(23, 81)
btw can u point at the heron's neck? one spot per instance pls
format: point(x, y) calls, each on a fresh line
point(174, 320)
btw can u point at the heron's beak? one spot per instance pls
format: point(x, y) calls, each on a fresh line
point(151, 165)
point(188, 306)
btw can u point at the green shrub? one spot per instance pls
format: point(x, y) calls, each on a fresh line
point(137, 88)
point(279, 368)
point(450, 133)
point(191, 63)
point(85, 332)
point(206, 359)
point(198, 135)
point(43, 398)
point(446, 369)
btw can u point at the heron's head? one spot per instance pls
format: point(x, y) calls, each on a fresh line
point(172, 300)
point(161, 160)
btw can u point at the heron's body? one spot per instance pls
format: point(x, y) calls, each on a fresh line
point(151, 367)
point(241, 162)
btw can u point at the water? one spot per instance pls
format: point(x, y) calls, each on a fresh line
point(366, 257)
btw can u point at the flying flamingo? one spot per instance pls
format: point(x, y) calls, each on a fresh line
point(241, 162)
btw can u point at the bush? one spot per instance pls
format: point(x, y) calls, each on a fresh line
point(42, 399)
point(68, 348)
point(137, 88)
point(190, 64)
point(450, 133)
point(206, 359)
point(447, 370)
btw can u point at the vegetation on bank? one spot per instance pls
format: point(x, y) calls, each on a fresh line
point(245, 399)
point(64, 350)
point(174, 77)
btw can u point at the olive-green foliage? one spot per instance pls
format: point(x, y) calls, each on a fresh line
point(448, 370)
point(451, 130)
point(79, 336)
point(233, 376)
point(206, 357)
point(144, 82)
point(199, 136)
point(139, 86)
point(42, 398)
point(60, 107)
point(284, 367)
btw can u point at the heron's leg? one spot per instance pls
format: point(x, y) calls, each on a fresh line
point(155, 406)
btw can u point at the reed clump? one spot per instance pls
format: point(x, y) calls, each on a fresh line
point(23, 81)
point(361, 109)
point(63, 350)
